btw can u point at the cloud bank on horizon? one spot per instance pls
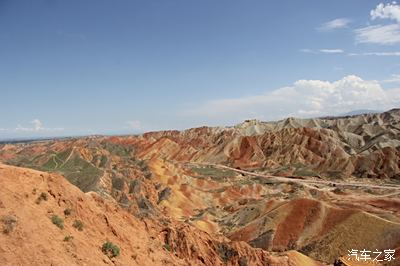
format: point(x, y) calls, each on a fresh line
point(304, 98)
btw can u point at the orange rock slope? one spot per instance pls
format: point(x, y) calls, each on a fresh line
point(361, 146)
point(29, 199)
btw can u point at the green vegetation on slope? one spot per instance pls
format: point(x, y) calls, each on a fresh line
point(214, 173)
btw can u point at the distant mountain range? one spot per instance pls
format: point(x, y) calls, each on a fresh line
point(360, 112)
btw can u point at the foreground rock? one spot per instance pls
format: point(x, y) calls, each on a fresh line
point(29, 201)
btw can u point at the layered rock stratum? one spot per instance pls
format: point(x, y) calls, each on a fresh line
point(290, 192)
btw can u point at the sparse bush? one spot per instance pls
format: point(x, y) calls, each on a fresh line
point(134, 186)
point(110, 249)
point(58, 221)
point(164, 194)
point(370, 191)
point(42, 196)
point(9, 223)
point(67, 211)
point(226, 252)
point(78, 225)
point(147, 175)
point(167, 247)
point(68, 238)
point(118, 183)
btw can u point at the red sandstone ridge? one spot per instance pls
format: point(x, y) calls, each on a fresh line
point(292, 191)
point(29, 198)
point(360, 146)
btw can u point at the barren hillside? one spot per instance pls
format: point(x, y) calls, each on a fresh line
point(292, 191)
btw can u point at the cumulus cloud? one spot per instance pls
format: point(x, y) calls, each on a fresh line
point(388, 11)
point(379, 34)
point(335, 24)
point(304, 98)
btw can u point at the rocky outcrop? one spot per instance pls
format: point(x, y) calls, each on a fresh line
point(33, 236)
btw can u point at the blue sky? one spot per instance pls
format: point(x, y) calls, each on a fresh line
point(105, 67)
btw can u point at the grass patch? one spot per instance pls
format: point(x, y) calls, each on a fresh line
point(213, 173)
point(118, 183)
point(9, 223)
point(58, 221)
point(103, 161)
point(81, 173)
point(117, 149)
point(68, 238)
point(305, 172)
point(167, 247)
point(78, 225)
point(110, 249)
point(42, 196)
point(67, 211)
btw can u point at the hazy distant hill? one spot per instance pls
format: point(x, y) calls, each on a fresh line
point(360, 112)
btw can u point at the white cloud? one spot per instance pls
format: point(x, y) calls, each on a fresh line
point(37, 126)
point(331, 51)
point(379, 34)
point(307, 51)
point(388, 34)
point(395, 78)
point(324, 51)
point(335, 24)
point(135, 124)
point(388, 11)
point(375, 54)
point(304, 98)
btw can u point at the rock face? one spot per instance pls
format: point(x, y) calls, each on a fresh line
point(362, 146)
point(36, 239)
point(291, 192)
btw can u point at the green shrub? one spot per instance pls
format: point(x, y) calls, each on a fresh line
point(147, 175)
point(42, 196)
point(68, 238)
point(9, 223)
point(167, 247)
point(110, 249)
point(118, 183)
point(67, 211)
point(78, 225)
point(58, 221)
